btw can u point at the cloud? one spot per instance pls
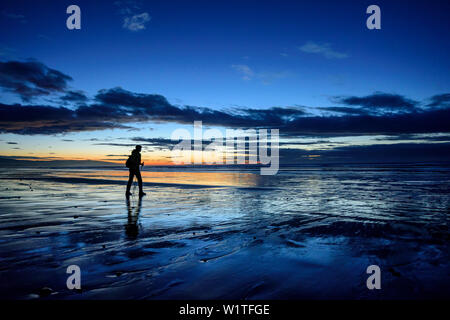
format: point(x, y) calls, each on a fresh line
point(377, 153)
point(117, 108)
point(275, 115)
point(159, 143)
point(121, 97)
point(36, 119)
point(164, 143)
point(248, 74)
point(430, 121)
point(136, 22)
point(440, 100)
point(133, 17)
point(309, 143)
point(323, 49)
point(44, 37)
point(112, 144)
point(31, 79)
point(144, 107)
point(379, 100)
point(11, 142)
point(345, 110)
point(74, 96)
point(245, 71)
point(14, 16)
point(39, 119)
point(7, 52)
point(416, 137)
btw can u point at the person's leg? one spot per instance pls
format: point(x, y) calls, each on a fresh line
point(139, 178)
point(130, 181)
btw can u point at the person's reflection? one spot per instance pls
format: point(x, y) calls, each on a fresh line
point(132, 228)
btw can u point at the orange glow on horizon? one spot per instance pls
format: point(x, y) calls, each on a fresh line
point(178, 177)
point(162, 159)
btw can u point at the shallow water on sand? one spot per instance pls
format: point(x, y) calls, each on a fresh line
point(202, 234)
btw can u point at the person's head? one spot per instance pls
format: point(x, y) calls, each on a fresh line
point(138, 148)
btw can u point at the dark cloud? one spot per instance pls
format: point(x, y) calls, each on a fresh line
point(379, 100)
point(414, 137)
point(37, 119)
point(74, 96)
point(296, 143)
point(12, 143)
point(118, 108)
point(274, 115)
point(395, 152)
point(116, 159)
point(31, 79)
point(14, 16)
point(120, 97)
point(153, 143)
point(112, 144)
point(2, 157)
point(345, 110)
point(378, 153)
point(165, 144)
point(440, 100)
point(162, 143)
point(155, 107)
point(157, 143)
point(429, 121)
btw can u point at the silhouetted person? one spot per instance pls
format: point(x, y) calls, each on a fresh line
point(133, 163)
point(132, 228)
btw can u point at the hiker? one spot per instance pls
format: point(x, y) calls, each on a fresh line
point(133, 163)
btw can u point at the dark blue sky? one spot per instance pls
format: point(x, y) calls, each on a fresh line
point(236, 54)
point(188, 49)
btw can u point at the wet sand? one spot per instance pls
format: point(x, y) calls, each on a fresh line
point(305, 233)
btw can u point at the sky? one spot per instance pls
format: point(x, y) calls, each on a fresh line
point(138, 70)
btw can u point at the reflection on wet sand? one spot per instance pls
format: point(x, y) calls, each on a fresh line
point(237, 179)
point(134, 210)
point(301, 234)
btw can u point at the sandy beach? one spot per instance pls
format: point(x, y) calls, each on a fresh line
point(305, 233)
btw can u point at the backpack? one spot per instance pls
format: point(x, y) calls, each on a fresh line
point(129, 162)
